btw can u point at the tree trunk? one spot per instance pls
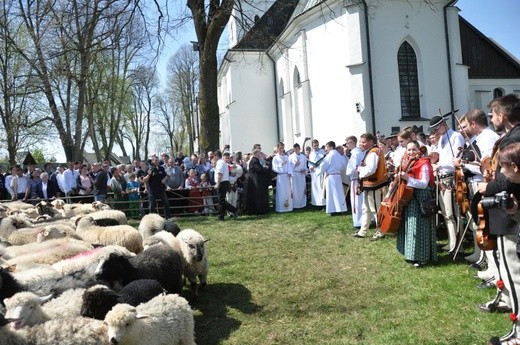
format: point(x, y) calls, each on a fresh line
point(208, 104)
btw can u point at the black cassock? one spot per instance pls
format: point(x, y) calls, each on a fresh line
point(257, 187)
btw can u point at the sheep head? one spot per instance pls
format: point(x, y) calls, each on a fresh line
point(123, 323)
point(98, 301)
point(26, 308)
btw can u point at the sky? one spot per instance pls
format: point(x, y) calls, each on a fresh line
point(497, 19)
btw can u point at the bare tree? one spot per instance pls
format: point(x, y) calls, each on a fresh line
point(172, 122)
point(182, 86)
point(144, 85)
point(65, 37)
point(19, 108)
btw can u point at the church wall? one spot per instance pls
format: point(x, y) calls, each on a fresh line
point(391, 23)
point(248, 116)
point(321, 48)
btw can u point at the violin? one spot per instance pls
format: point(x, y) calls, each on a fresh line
point(461, 187)
point(485, 240)
point(389, 214)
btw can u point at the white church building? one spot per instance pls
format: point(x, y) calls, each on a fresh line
point(327, 69)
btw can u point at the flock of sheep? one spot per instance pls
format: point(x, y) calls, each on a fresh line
point(79, 274)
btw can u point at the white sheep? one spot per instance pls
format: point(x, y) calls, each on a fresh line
point(77, 209)
point(163, 320)
point(195, 254)
point(69, 331)
point(153, 223)
point(14, 251)
point(162, 237)
point(53, 254)
point(13, 223)
point(50, 232)
point(23, 236)
point(32, 309)
point(89, 260)
point(109, 217)
point(122, 235)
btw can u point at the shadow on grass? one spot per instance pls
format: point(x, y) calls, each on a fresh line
point(214, 323)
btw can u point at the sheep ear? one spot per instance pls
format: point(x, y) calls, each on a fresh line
point(141, 316)
point(45, 298)
point(11, 268)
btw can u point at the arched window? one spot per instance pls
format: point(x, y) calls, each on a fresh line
point(408, 81)
point(297, 79)
point(281, 88)
point(498, 92)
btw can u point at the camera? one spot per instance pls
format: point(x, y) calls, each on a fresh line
point(153, 170)
point(501, 200)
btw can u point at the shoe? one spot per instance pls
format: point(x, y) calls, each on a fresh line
point(235, 215)
point(491, 307)
point(220, 218)
point(377, 236)
point(358, 235)
point(477, 266)
point(486, 285)
point(472, 258)
point(419, 264)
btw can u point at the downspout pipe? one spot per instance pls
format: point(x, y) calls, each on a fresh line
point(275, 76)
point(370, 79)
point(448, 53)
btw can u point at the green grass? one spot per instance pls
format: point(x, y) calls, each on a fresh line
point(302, 278)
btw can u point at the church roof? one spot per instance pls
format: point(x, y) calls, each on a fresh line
point(484, 57)
point(267, 29)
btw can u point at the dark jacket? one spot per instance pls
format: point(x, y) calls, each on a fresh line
point(100, 183)
point(51, 189)
point(500, 222)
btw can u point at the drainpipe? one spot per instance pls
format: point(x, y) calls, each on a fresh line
point(275, 75)
point(448, 52)
point(370, 80)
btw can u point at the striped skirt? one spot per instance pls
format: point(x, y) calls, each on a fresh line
point(417, 237)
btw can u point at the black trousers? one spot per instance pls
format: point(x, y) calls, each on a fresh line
point(223, 205)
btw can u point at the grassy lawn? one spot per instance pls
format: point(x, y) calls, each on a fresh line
point(302, 278)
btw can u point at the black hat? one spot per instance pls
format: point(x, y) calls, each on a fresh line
point(436, 122)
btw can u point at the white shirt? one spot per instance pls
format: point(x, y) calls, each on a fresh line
point(333, 163)
point(371, 161)
point(222, 168)
point(302, 166)
point(447, 152)
point(422, 181)
point(281, 164)
point(356, 159)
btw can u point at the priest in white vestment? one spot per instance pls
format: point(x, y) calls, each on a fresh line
point(356, 159)
point(298, 163)
point(331, 167)
point(283, 170)
point(315, 158)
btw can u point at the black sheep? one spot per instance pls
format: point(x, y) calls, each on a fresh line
point(8, 285)
point(99, 300)
point(158, 262)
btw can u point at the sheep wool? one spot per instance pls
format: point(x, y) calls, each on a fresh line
point(152, 223)
point(195, 255)
point(70, 331)
point(122, 235)
point(163, 320)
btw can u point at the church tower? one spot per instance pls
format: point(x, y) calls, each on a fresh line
point(244, 16)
